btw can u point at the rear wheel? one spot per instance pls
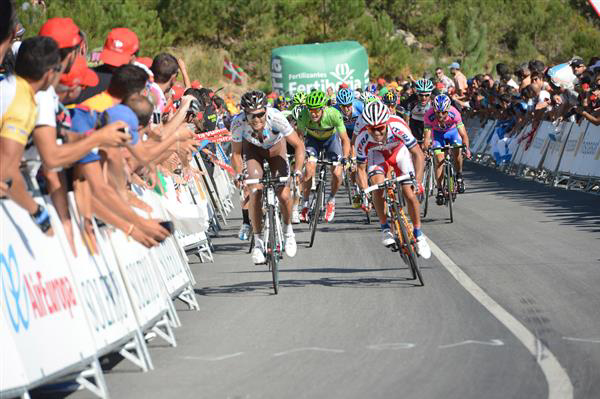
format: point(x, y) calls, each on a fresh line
point(348, 185)
point(272, 254)
point(450, 190)
point(428, 181)
point(251, 242)
point(408, 247)
point(316, 212)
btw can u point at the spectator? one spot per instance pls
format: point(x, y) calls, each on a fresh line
point(126, 80)
point(120, 48)
point(459, 80)
point(37, 66)
point(8, 20)
point(165, 68)
point(441, 77)
point(524, 75)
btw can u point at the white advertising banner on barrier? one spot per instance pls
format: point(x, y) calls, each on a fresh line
point(12, 373)
point(556, 144)
point(144, 287)
point(534, 154)
point(481, 140)
point(587, 158)
point(41, 309)
point(576, 137)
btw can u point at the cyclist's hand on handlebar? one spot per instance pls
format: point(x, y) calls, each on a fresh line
point(468, 153)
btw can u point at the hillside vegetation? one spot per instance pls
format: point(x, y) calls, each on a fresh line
point(478, 33)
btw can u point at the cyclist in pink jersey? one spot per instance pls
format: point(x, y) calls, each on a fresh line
point(445, 122)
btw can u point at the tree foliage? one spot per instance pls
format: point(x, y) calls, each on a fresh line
point(479, 33)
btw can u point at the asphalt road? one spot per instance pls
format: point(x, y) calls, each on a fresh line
point(348, 324)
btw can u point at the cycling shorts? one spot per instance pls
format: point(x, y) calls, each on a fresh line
point(451, 137)
point(417, 128)
point(276, 156)
point(382, 162)
point(332, 147)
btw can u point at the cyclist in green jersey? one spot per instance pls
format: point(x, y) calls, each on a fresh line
point(323, 128)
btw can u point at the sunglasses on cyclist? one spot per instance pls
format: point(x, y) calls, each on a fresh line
point(258, 115)
point(379, 128)
point(315, 110)
point(424, 95)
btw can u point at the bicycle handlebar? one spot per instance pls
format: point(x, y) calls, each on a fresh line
point(387, 182)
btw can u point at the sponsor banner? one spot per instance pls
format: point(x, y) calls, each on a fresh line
point(41, 313)
point(319, 65)
point(576, 137)
point(558, 138)
point(534, 154)
point(480, 142)
point(587, 155)
point(212, 133)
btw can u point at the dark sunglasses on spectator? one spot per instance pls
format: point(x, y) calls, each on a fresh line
point(257, 115)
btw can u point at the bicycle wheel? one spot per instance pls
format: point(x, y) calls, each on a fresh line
point(450, 190)
point(348, 186)
point(408, 247)
point(427, 189)
point(272, 255)
point(316, 212)
point(251, 242)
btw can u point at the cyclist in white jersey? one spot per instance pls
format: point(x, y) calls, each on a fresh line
point(260, 133)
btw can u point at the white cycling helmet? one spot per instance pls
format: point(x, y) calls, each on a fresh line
point(375, 113)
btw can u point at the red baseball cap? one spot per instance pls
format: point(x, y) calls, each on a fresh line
point(145, 60)
point(344, 86)
point(196, 84)
point(79, 74)
point(178, 90)
point(119, 46)
point(63, 31)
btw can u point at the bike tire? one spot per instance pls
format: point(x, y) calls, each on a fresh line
point(410, 256)
point(273, 256)
point(427, 188)
point(251, 242)
point(316, 213)
point(348, 186)
point(450, 192)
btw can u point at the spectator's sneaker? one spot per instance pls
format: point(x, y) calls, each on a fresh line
point(461, 184)
point(290, 245)
point(304, 215)
point(439, 198)
point(330, 211)
point(295, 216)
point(245, 231)
point(387, 238)
point(258, 255)
point(423, 247)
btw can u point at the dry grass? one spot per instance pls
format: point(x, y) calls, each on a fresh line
point(206, 65)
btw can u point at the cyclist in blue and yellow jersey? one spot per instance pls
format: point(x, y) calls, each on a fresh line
point(419, 107)
point(323, 128)
point(350, 108)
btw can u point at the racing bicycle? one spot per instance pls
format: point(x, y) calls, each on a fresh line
point(428, 181)
point(405, 241)
point(449, 185)
point(317, 205)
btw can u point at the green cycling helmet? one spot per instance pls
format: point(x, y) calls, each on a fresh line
point(299, 98)
point(424, 86)
point(316, 99)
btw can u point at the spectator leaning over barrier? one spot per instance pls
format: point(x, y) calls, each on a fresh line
point(37, 66)
point(590, 107)
point(524, 75)
point(8, 21)
point(441, 77)
point(120, 48)
point(165, 68)
point(459, 79)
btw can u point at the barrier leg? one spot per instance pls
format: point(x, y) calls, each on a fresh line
point(163, 329)
point(92, 379)
point(141, 357)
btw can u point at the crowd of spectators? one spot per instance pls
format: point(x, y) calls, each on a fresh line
point(67, 128)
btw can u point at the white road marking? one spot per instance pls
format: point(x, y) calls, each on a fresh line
point(493, 342)
point(312, 348)
point(213, 358)
point(559, 384)
point(391, 346)
point(593, 341)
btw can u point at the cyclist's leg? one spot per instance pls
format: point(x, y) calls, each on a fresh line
point(438, 142)
point(333, 148)
point(377, 170)
point(312, 151)
point(254, 159)
point(279, 166)
point(453, 138)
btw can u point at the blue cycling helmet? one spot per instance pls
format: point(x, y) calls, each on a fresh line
point(441, 103)
point(345, 96)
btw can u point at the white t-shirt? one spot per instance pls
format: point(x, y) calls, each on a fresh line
point(47, 102)
point(512, 83)
point(276, 128)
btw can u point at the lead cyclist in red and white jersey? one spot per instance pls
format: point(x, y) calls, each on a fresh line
point(385, 143)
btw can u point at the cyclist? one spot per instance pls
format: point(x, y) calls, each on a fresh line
point(323, 128)
point(299, 99)
point(260, 133)
point(390, 99)
point(349, 107)
point(282, 103)
point(447, 126)
point(418, 108)
point(386, 144)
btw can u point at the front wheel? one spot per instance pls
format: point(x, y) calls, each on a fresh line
point(428, 184)
point(272, 255)
point(408, 248)
point(348, 186)
point(316, 212)
point(450, 191)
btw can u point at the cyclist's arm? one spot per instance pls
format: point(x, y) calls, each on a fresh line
point(361, 175)
point(427, 136)
point(463, 135)
point(341, 131)
point(294, 140)
point(236, 157)
point(418, 161)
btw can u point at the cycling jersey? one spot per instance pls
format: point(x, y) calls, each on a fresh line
point(453, 121)
point(398, 134)
point(276, 128)
point(18, 109)
point(349, 122)
point(417, 110)
point(330, 123)
point(380, 157)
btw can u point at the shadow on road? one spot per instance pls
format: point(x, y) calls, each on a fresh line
point(573, 208)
